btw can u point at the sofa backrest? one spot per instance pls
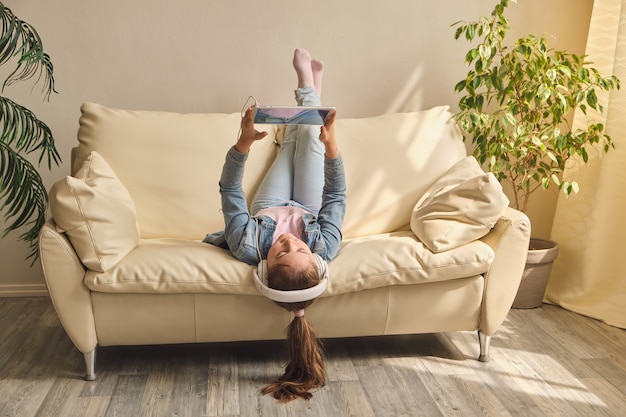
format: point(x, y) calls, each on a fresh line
point(390, 161)
point(171, 163)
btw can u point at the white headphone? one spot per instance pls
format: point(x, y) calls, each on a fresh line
point(293, 296)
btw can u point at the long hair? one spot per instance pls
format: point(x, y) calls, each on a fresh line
point(305, 369)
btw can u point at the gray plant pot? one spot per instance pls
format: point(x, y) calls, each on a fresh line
point(541, 255)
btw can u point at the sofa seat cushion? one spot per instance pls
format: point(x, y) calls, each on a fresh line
point(170, 265)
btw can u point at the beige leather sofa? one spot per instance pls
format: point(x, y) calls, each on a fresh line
point(430, 244)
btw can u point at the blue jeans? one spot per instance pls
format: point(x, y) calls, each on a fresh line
point(297, 173)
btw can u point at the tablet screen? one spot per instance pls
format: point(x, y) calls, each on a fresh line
point(291, 115)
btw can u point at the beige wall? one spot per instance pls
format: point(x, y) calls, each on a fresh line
point(210, 55)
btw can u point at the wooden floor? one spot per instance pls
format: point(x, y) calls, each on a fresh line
point(545, 362)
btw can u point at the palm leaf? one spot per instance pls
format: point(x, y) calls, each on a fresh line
point(21, 39)
point(23, 131)
point(24, 197)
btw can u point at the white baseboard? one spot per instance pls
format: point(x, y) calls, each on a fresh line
point(23, 290)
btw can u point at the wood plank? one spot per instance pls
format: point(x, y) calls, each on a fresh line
point(89, 407)
point(612, 399)
point(126, 397)
point(518, 365)
point(157, 399)
point(25, 396)
point(382, 392)
point(223, 389)
point(252, 377)
point(192, 382)
point(496, 380)
point(412, 385)
point(352, 399)
point(55, 403)
point(339, 365)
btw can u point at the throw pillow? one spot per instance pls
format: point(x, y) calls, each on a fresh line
point(462, 206)
point(97, 213)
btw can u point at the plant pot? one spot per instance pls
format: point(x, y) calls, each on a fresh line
point(541, 255)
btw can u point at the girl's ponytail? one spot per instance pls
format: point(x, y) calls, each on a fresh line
point(305, 370)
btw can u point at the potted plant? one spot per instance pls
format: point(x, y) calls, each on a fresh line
point(23, 197)
point(518, 103)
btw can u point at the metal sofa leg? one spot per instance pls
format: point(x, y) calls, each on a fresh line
point(90, 364)
point(484, 341)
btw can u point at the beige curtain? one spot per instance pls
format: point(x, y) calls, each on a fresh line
point(589, 276)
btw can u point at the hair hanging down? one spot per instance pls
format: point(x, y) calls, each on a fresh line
point(305, 369)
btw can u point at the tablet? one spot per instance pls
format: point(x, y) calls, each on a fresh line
point(286, 115)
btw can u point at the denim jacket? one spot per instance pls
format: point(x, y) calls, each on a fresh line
point(249, 238)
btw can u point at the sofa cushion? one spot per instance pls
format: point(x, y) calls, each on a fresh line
point(187, 266)
point(97, 213)
point(462, 206)
point(170, 163)
point(390, 161)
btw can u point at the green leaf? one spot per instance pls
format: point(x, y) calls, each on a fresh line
point(458, 32)
point(565, 70)
point(592, 99)
point(476, 82)
point(470, 32)
point(24, 195)
point(484, 51)
point(21, 39)
point(584, 155)
point(24, 131)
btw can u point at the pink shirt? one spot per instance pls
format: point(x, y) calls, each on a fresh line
point(288, 220)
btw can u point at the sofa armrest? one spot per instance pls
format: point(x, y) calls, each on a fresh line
point(509, 239)
point(64, 274)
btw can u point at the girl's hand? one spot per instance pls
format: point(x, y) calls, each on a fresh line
point(327, 137)
point(248, 133)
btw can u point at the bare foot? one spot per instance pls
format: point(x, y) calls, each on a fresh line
point(317, 67)
point(302, 64)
